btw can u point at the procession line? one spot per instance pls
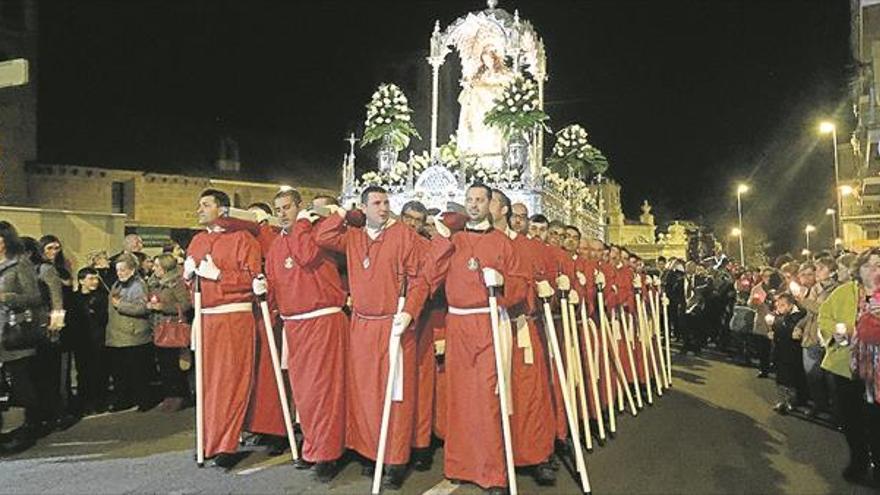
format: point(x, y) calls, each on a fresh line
point(445, 487)
point(274, 461)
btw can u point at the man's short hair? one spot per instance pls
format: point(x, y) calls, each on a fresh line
point(505, 201)
point(480, 185)
point(538, 218)
point(572, 227)
point(661, 259)
point(220, 197)
point(365, 194)
point(326, 197)
point(262, 206)
point(415, 206)
point(129, 261)
point(288, 192)
point(85, 272)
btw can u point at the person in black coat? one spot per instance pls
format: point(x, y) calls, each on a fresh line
point(87, 324)
point(787, 354)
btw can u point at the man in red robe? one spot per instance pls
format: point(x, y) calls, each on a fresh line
point(555, 260)
point(305, 288)
point(264, 416)
point(532, 431)
point(415, 215)
point(226, 259)
point(468, 262)
point(380, 256)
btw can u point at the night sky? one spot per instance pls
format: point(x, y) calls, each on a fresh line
point(684, 97)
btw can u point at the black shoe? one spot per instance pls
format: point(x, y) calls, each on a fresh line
point(855, 471)
point(393, 476)
point(544, 474)
point(302, 464)
point(368, 470)
point(325, 471)
point(422, 459)
point(18, 441)
point(553, 462)
point(782, 408)
point(763, 374)
point(497, 490)
point(226, 461)
point(276, 446)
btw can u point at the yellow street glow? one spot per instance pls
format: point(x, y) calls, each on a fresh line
point(826, 127)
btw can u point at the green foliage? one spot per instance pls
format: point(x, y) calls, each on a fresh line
point(517, 111)
point(389, 118)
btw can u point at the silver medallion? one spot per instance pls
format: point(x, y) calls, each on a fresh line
point(288, 262)
point(366, 262)
point(472, 264)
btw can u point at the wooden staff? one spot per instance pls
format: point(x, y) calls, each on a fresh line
point(658, 336)
point(279, 379)
point(609, 400)
point(630, 345)
point(200, 388)
point(578, 366)
point(621, 377)
point(563, 284)
point(393, 356)
point(563, 384)
point(646, 335)
point(666, 333)
point(591, 364)
point(502, 389)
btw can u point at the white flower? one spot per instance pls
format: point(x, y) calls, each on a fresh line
point(527, 107)
point(404, 118)
point(386, 101)
point(517, 97)
point(510, 101)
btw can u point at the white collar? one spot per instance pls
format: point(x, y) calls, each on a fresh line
point(484, 225)
point(510, 233)
point(215, 229)
point(374, 232)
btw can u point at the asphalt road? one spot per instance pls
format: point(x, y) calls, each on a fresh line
point(713, 432)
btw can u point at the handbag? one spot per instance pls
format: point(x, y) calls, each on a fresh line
point(172, 333)
point(20, 331)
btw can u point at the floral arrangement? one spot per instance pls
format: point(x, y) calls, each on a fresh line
point(398, 175)
point(572, 153)
point(571, 187)
point(518, 109)
point(389, 118)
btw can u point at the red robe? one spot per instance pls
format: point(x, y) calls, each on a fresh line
point(304, 278)
point(264, 407)
point(392, 256)
point(228, 339)
point(531, 428)
point(609, 295)
point(474, 449)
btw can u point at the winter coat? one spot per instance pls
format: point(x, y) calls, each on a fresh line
point(810, 324)
point(842, 306)
point(86, 320)
point(19, 283)
point(787, 351)
point(128, 324)
point(171, 291)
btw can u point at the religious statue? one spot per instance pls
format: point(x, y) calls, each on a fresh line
point(477, 97)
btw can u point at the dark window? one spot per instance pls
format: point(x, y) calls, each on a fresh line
point(118, 194)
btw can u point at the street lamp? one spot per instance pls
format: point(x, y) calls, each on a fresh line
point(829, 128)
point(833, 214)
point(740, 190)
point(809, 229)
point(846, 190)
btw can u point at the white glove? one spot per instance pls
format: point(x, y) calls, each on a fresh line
point(260, 286)
point(637, 281)
point(573, 297)
point(544, 289)
point(309, 215)
point(582, 279)
point(492, 277)
point(665, 300)
point(401, 323)
point(769, 319)
point(189, 268)
point(563, 283)
point(657, 281)
point(599, 277)
point(441, 228)
point(839, 334)
point(207, 269)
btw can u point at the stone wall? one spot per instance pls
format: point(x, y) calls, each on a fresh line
point(80, 232)
point(156, 200)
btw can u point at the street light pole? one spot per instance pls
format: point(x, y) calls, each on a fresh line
point(833, 213)
point(808, 230)
point(742, 188)
point(830, 128)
